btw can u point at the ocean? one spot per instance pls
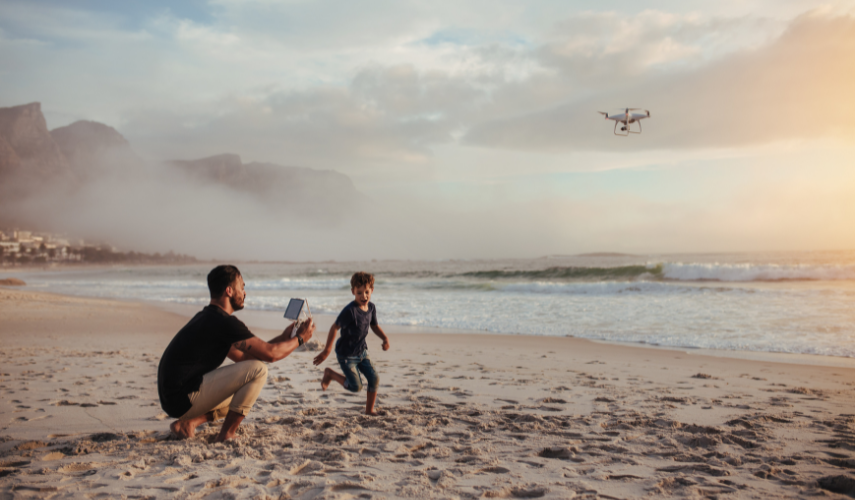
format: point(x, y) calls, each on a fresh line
point(793, 302)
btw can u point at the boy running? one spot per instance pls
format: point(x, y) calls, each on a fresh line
point(351, 349)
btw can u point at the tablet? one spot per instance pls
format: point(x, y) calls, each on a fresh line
point(298, 310)
point(294, 307)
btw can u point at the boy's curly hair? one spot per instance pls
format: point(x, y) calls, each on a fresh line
point(361, 279)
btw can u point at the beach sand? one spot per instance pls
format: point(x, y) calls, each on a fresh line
point(465, 416)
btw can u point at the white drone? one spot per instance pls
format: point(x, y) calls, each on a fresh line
point(627, 119)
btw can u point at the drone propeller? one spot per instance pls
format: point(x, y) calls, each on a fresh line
point(638, 109)
point(626, 112)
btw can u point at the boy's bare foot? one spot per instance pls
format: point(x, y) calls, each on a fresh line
point(369, 403)
point(183, 429)
point(325, 382)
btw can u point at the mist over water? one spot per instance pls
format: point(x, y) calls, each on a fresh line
point(781, 302)
point(152, 206)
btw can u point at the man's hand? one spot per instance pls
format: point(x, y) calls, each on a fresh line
point(306, 330)
point(386, 344)
point(320, 358)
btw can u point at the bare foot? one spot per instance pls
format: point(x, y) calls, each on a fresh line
point(183, 429)
point(373, 413)
point(325, 382)
point(220, 437)
point(230, 427)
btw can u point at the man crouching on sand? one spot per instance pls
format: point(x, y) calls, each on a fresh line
point(191, 386)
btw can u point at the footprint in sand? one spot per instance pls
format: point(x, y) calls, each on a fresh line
point(8, 467)
point(86, 468)
point(26, 419)
point(349, 486)
point(560, 453)
point(30, 445)
point(495, 470)
point(553, 400)
point(306, 467)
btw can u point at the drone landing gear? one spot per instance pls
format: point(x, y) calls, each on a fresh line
point(627, 129)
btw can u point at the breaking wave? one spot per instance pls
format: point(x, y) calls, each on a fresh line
point(675, 271)
point(571, 273)
point(756, 272)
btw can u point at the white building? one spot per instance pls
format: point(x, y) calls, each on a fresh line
point(10, 247)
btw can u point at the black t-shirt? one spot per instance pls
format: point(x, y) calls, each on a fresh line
point(198, 348)
point(354, 323)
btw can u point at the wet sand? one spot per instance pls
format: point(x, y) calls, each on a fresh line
point(465, 416)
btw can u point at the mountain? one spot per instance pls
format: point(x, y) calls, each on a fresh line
point(28, 152)
point(325, 192)
point(61, 169)
point(9, 161)
point(94, 149)
point(262, 178)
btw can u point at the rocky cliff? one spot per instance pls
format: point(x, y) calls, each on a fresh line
point(9, 161)
point(323, 192)
point(222, 169)
point(61, 167)
point(228, 169)
point(27, 150)
point(94, 149)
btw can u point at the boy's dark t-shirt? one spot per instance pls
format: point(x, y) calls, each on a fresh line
point(198, 348)
point(354, 323)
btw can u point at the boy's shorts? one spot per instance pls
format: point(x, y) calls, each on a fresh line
point(353, 366)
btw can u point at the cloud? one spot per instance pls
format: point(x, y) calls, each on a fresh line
point(797, 87)
point(320, 127)
point(700, 76)
point(309, 84)
point(603, 48)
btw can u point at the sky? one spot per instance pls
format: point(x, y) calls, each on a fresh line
point(473, 126)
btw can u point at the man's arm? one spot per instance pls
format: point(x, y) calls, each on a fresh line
point(255, 348)
point(237, 356)
point(380, 333)
point(327, 348)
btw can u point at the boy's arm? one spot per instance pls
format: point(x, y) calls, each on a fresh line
point(327, 348)
point(380, 333)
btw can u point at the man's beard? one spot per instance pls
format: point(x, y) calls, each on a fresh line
point(236, 306)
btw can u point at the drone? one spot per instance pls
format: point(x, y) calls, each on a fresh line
point(627, 119)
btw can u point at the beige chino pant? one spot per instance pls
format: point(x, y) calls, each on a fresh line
point(228, 388)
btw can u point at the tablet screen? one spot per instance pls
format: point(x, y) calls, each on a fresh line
point(294, 308)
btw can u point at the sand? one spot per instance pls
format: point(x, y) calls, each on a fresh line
point(465, 416)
